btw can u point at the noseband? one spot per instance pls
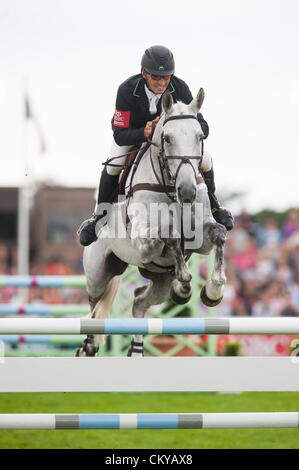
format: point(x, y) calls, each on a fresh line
point(163, 159)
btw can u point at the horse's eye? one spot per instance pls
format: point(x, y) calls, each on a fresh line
point(167, 139)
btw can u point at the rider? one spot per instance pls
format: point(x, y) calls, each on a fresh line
point(138, 106)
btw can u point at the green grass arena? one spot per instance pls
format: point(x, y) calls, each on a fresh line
point(184, 402)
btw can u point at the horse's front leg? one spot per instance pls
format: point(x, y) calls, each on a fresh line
point(181, 290)
point(212, 293)
point(154, 293)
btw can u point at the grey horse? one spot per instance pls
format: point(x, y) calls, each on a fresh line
point(163, 220)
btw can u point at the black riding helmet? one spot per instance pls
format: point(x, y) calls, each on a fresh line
point(158, 60)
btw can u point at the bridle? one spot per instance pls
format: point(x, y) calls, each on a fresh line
point(163, 187)
point(163, 159)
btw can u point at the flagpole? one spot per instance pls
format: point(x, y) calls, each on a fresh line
point(24, 206)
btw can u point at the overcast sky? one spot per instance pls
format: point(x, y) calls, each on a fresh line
point(73, 54)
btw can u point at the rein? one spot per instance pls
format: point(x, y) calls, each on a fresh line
point(185, 159)
point(163, 159)
point(162, 186)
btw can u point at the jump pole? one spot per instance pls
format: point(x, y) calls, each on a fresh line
point(150, 421)
point(42, 281)
point(200, 326)
point(54, 310)
point(50, 340)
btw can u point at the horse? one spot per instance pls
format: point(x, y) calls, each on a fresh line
point(167, 177)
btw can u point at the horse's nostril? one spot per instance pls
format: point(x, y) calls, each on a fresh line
point(186, 194)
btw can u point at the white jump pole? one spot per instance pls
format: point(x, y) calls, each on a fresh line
point(150, 421)
point(240, 326)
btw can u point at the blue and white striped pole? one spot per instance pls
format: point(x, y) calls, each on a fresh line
point(42, 281)
point(150, 421)
point(168, 326)
point(54, 310)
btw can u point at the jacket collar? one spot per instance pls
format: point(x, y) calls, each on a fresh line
point(170, 87)
point(138, 88)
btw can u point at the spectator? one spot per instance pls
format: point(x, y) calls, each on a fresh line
point(291, 225)
point(269, 235)
point(246, 258)
point(56, 266)
point(247, 223)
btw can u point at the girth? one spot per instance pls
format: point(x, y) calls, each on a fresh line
point(170, 269)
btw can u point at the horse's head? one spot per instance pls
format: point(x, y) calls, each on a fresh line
point(181, 146)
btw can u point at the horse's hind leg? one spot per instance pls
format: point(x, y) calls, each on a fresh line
point(212, 292)
point(154, 293)
point(90, 345)
point(103, 280)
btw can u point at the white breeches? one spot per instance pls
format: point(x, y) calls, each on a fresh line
point(118, 150)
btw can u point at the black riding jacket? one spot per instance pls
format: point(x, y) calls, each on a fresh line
point(132, 109)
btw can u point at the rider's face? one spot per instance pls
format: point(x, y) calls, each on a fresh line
point(156, 86)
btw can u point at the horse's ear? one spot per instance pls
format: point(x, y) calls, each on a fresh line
point(167, 102)
point(197, 102)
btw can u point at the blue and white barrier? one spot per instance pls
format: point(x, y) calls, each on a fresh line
point(55, 310)
point(42, 281)
point(168, 326)
point(50, 340)
point(150, 421)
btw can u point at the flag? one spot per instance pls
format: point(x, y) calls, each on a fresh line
point(30, 115)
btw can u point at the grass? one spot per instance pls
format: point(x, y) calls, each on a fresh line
point(149, 403)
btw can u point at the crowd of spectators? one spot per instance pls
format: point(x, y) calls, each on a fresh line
point(36, 295)
point(262, 269)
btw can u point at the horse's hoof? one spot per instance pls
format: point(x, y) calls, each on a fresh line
point(91, 350)
point(136, 349)
point(179, 294)
point(80, 352)
point(88, 348)
point(178, 299)
point(205, 299)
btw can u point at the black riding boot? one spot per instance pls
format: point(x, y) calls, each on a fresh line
point(220, 214)
point(108, 189)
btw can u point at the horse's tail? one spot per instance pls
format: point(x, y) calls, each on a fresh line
point(104, 305)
